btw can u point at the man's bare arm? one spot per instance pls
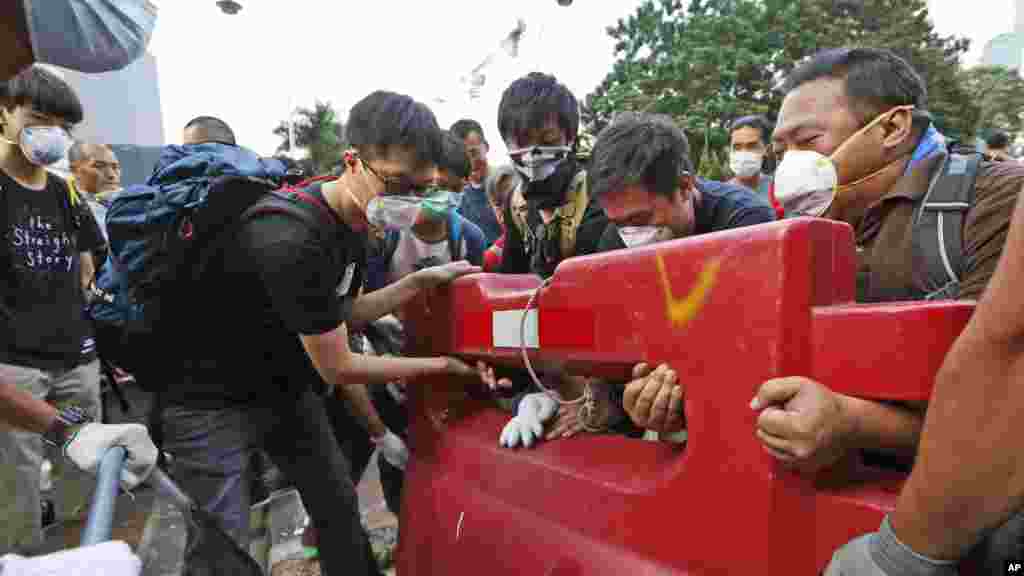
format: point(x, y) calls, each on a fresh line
point(88, 270)
point(360, 406)
point(968, 476)
point(339, 366)
point(22, 410)
point(372, 306)
point(892, 428)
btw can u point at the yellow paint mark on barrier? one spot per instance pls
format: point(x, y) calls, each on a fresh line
point(682, 310)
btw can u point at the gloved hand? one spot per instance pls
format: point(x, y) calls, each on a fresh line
point(528, 424)
point(882, 554)
point(392, 449)
point(111, 558)
point(89, 443)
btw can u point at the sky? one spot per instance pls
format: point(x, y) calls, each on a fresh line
point(251, 68)
point(247, 68)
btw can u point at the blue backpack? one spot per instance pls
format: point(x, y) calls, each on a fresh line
point(158, 231)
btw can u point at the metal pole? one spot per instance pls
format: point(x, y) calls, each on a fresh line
point(99, 525)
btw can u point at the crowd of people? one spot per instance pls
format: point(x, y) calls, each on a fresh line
point(286, 349)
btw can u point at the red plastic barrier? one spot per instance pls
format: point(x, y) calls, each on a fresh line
point(779, 305)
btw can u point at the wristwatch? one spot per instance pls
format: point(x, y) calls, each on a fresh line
point(68, 420)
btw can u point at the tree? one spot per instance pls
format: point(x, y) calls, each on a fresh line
point(319, 133)
point(999, 94)
point(713, 60)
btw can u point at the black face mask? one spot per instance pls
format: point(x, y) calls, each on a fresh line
point(551, 192)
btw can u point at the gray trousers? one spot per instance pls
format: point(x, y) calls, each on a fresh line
point(210, 450)
point(22, 454)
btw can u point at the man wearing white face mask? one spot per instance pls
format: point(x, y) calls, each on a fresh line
point(749, 137)
point(284, 294)
point(859, 147)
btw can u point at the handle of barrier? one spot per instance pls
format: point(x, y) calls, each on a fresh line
point(100, 523)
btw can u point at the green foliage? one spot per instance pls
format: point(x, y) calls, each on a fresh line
point(318, 131)
point(709, 61)
point(999, 94)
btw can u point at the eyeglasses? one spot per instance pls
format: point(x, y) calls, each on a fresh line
point(398, 185)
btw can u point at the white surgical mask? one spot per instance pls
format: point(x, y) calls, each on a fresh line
point(807, 182)
point(42, 145)
point(746, 164)
point(633, 236)
point(393, 212)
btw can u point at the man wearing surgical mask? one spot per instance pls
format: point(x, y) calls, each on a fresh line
point(46, 344)
point(427, 243)
point(859, 147)
point(749, 137)
point(285, 294)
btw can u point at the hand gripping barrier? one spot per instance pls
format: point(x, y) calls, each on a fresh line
point(780, 304)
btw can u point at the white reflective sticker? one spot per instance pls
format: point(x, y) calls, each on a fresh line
point(505, 326)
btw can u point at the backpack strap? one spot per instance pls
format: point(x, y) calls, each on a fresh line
point(454, 236)
point(572, 213)
point(938, 226)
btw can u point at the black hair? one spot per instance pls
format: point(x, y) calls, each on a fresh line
point(385, 119)
point(463, 128)
point(454, 159)
point(998, 140)
point(639, 148)
point(754, 121)
point(529, 101)
point(44, 92)
point(874, 80)
point(214, 129)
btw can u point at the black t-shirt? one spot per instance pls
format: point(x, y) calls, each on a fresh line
point(539, 253)
point(42, 320)
point(722, 206)
point(281, 278)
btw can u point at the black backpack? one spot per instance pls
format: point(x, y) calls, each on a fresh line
point(938, 225)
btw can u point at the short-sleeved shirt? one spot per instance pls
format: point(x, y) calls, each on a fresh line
point(282, 278)
point(884, 235)
point(42, 320)
point(722, 206)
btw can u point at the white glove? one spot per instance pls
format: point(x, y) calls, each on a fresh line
point(882, 554)
point(106, 559)
point(397, 391)
point(392, 449)
point(534, 410)
point(87, 447)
